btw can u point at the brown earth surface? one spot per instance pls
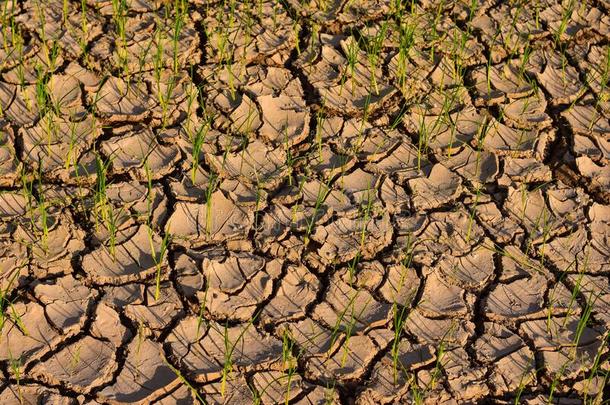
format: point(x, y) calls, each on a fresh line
point(304, 202)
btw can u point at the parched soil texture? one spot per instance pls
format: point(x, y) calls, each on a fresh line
point(304, 202)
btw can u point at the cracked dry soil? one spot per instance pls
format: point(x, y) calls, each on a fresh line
point(304, 202)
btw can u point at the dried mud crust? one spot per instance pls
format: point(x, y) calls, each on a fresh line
point(304, 202)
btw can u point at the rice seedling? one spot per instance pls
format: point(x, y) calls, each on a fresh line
point(416, 392)
point(103, 207)
point(603, 94)
point(373, 49)
point(323, 191)
point(348, 331)
point(337, 328)
point(257, 397)
point(523, 381)
point(565, 19)
point(84, 26)
point(43, 216)
point(552, 299)
point(213, 182)
point(357, 145)
point(101, 199)
point(74, 360)
point(15, 366)
point(556, 379)
point(288, 367)
point(582, 324)
point(71, 156)
point(185, 382)
point(288, 363)
point(229, 348)
point(158, 62)
point(198, 142)
point(158, 258)
point(202, 308)
point(5, 292)
point(27, 190)
point(584, 319)
point(352, 51)
point(329, 398)
point(320, 118)
point(423, 138)
point(595, 370)
point(400, 313)
point(296, 29)
point(119, 19)
point(180, 13)
point(438, 365)
point(406, 41)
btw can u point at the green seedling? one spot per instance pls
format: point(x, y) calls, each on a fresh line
point(523, 381)
point(184, 381)
point(119, 18)
point(323, 191)
point(202, 307)
point(103, 208)
point(229, 348)
point(158, 257)
point(44, 219)
point(288, 363)
point(74, 360)
point(373, 50)
point(400, 312)
point(84, 26)
point(440, 353)
point(213, 182)
point(198, 142)
point(352, 52)
point(71, 157)
point(595, 369)
point(15, 365)
point(406, 41)
point(320, 118)
point(565, 19)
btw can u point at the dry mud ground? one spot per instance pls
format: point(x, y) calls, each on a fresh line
point(307, 203)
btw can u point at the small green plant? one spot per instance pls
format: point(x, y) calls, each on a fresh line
point(372, 46)
point(198, 142)
point(440, 354)
point(213, 181)
point(202, 307)
point(523, 381)
point(406, 41)
point(400, 311)
point(74, 360)
point(184, 381)
point(84, 26)
point(119, 18)
point(71, 156)
point(352, 51)
point(323, 191)
point(288, 363)
point(565, 19)
point(594, 371)
point(103, 208)
point(229, 348)
point(15, 365)
point(320, 117)
point(158, 258)
point(44, 218)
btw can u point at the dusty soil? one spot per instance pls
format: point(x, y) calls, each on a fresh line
point(346, 202)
